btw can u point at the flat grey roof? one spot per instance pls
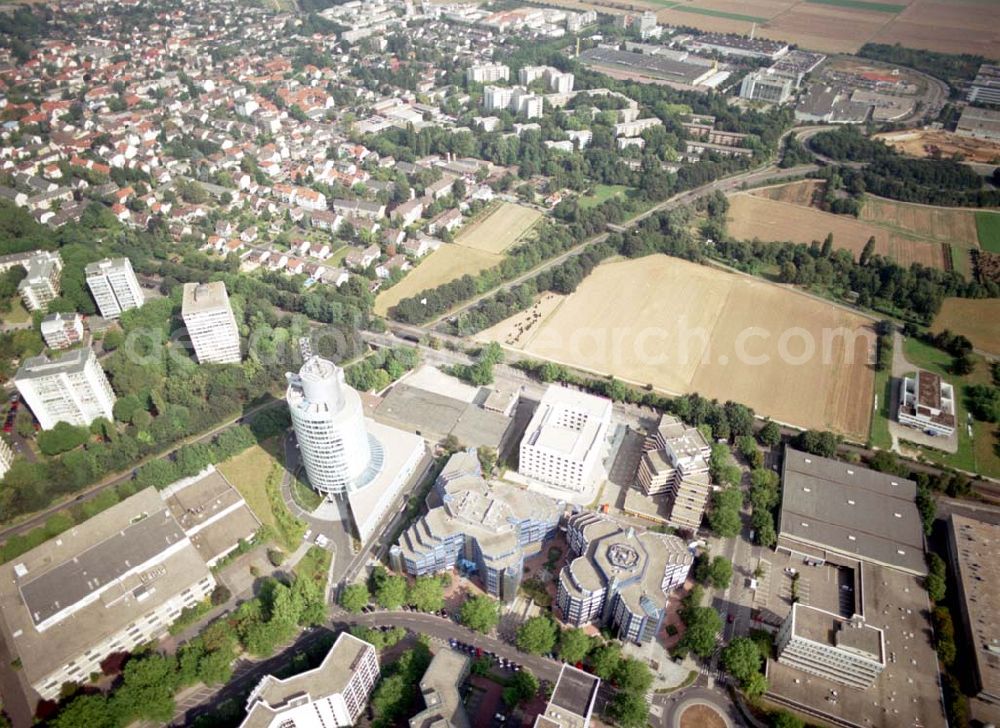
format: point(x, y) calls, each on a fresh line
point(436, 416)
point(40, 366)
point(851, 510)
point(657, 66)
point(575, 691)
point(202, 297)
point(91, 569)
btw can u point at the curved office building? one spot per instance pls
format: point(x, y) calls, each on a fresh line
point(337, 451)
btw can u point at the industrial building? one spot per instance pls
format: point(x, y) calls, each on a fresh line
point(766, 86)
point(104, 586)
point(72, 388)
point(572, 701)
point(62, 330)
point(620, 577)
point(927, 402)
point(439, 687)
point(565, 442)
point(979, 123)
point(332, 695)
point(844, 594)
point(210, 323)
point(680, 73)
point(113, 285)
point(675, 462)
point(834, 508)
point(739, 45)
point(973, 554)
point(481, 529)
point(985, 87)
point(345, 454)
point(41, 284)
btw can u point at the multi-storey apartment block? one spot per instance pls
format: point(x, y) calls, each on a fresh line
point(620, 577)
point(62, 330)
point(481, 529)
point(210, 323)
point(113, 285)
point(41, 284)
point(487, 73)
point(332, 695)
point(72, 388)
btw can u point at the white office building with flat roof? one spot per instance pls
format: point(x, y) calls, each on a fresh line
point(6, 457)
point(332, 695)
point(210, 323)
point(71, 389)
point(113, 285)
point(565, 442)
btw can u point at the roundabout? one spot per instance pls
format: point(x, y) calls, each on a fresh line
point(695, 713)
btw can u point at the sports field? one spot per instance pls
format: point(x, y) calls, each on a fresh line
point(500, 229)
point(837, 26)
point(974, 318)
point(684, 327)
point(754, 216)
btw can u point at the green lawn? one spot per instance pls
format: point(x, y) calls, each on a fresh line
point(307, 498)
point(988, 228)
point(17, 314)
point(880, 436)
point(861, 5)
point(602, 193)
point(338, 256)
point(720, 14)
point(314, 565)
point(248, 472)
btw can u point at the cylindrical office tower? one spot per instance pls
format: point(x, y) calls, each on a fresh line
point(330, 426)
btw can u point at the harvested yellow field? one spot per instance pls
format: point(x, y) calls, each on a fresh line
point(974, 318)
point(751, 216)
point(684, 327)
point(445, 264)
point(519, 327)
point(500, 229)
point(804, 193)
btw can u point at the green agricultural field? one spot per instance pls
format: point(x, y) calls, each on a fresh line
point(879, 435)
point(719, 14)
point(861, 5)
point(988, 228)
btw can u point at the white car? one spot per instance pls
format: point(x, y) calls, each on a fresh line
point(307, 534)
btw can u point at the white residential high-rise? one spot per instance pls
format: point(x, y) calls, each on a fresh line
point(41, 284)
point(565, 440)
point(487, 73)
point(329, 425)
point(345, 455)
point(332, 695)
point(210, 323)
point(70, 389)
point(113, 285)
